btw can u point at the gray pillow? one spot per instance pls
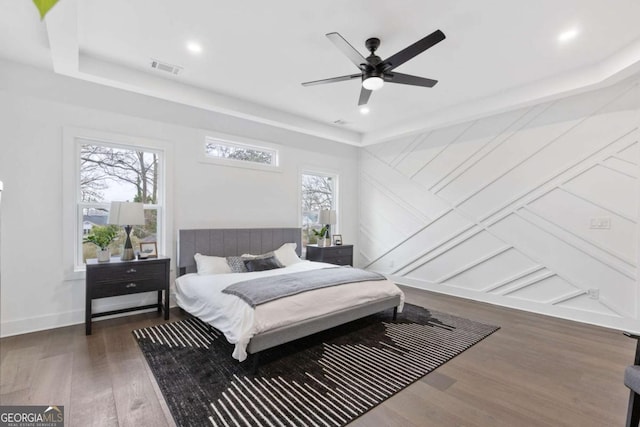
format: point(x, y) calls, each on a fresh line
point(262, 264)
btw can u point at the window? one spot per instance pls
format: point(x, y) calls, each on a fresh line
point(318, 192)
point(116, 173)
point(100, 167)
point(220, 149)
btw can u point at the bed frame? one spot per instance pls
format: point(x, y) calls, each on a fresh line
point(234, 242)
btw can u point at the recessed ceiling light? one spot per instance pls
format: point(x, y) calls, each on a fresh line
point(568, 35)
point(364, 110)
point(194, 47)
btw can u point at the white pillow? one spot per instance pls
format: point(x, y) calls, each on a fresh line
point(249, 256)
point(211, 264)
point(286, 254)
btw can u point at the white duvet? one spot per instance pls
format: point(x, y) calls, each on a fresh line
point(201, 295)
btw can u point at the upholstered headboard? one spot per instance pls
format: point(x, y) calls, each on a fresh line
point(231, 242)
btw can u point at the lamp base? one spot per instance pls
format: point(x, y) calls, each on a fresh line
point(128, 254)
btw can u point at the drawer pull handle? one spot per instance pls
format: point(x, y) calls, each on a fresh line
point(131, 285)
point(131, 270)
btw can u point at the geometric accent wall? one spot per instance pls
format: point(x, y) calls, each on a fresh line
point(507, 208)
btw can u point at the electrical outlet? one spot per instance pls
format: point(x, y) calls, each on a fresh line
point(594, 293)
point(600, 223)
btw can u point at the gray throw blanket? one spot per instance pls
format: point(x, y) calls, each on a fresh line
point(264, 289)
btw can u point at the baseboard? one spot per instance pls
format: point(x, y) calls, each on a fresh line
point(73, 317)
point(598, 319)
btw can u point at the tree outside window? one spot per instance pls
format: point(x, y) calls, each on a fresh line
point(318, 193)
point(109, 173)
point(220, 149)
point(239, 153)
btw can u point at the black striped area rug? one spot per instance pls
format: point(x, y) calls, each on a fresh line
point(327, 379)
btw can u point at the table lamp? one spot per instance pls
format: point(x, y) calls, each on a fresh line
point(127, 214)
point(327, 217)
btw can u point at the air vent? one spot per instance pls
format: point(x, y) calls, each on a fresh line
point(166, 67)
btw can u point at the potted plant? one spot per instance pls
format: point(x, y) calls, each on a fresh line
point(323, 236)
point(102, 236)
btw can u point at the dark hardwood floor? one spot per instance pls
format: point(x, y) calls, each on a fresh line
point(535, 371)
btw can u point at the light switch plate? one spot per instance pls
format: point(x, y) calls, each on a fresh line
point(600, 223)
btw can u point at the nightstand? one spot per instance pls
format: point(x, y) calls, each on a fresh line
point(339, 255)
point(109, 279)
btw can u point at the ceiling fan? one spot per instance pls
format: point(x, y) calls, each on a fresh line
point(374, 71)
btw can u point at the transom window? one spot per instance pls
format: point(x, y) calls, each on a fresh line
point(215, 148)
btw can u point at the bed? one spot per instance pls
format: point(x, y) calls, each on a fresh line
point(198, 293)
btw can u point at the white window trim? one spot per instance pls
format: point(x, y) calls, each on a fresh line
point(238, 141)
point(72, 139)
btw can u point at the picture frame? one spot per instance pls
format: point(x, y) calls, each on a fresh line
point(148, 250)
point(337, 239)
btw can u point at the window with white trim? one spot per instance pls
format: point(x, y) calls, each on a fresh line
point(240, 152)
point(107, 172)
point(318, 192)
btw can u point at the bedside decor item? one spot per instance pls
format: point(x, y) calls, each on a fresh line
point(127, 214)
point(337, 239)
point(327, 217)
point(148, 250)
point(321, 235)
point(102, 236)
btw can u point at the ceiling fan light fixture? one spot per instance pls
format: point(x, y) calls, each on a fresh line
point(373, 83)
point(374, 71)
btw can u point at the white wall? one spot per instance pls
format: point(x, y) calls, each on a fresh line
point(499, 209)
point(35, 106)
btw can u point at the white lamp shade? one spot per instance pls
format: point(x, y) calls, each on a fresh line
point(327, 217)
point(126, 213)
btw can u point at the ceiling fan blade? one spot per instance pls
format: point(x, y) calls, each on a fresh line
point(411, 51)
point(332, 80)
point(407, 79)
point(364, 96)
point(353, 55)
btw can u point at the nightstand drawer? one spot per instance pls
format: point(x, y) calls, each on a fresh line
point(339, 255)
point(124, 272)
point(337, 251)
point(338, 260)
point(109, 289)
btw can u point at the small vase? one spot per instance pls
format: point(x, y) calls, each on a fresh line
point(324, 242)
point(103, 255)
